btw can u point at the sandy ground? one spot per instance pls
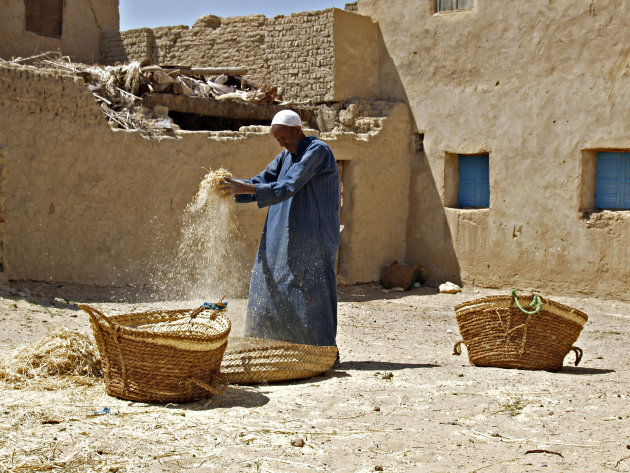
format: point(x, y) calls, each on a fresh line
point(399, 401)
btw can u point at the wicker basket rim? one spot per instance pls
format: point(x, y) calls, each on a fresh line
point(549, 305)
point(112, 323)
point(277, 345)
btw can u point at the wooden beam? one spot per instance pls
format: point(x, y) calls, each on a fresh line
point(207, 71)
point(210, 107)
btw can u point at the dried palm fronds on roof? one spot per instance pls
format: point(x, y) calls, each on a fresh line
point(119, 89)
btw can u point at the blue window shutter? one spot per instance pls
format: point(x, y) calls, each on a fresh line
point(467, 181)
point(609, 183)
point(625, 193)
point(474, 181)
point(484, 181)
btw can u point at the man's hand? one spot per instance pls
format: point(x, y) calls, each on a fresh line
point(230, 186)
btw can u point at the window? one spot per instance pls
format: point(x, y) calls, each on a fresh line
point(44, 16)
point(445, 5)
point(474, 181)
point(612, 188)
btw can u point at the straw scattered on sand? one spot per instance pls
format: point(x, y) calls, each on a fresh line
point(61, 353)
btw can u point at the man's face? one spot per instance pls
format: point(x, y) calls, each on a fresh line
point(287, 136)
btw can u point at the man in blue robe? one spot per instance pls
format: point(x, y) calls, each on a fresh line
point(293, 289)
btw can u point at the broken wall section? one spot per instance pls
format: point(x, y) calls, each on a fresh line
point(322, 56)
point(87, 204)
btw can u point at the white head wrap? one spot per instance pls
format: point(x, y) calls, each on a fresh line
point(287, 118)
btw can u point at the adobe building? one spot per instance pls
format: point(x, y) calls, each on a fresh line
point(472, 139)
point(542, 91)
point(32, 27)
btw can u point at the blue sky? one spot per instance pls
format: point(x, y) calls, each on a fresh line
point(152, 13)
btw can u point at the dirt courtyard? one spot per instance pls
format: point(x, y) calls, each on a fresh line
point(399, 401)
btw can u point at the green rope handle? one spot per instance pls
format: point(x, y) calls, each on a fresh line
point(536, 302)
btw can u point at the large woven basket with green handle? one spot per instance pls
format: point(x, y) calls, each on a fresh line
point(525, 332)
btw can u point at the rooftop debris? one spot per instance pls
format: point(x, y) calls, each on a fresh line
point(119, 89)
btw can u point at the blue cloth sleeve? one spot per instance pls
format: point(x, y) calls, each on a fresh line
point(271, 172)
point(311, 164)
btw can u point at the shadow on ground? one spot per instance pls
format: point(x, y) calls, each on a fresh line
point(381, 365)
point(585, 371)
point(371, 292)
point(235, 396)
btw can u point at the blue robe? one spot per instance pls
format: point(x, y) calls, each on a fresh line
point(293, 289)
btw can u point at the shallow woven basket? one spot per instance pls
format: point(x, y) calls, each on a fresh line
point(255, 360)
point(162, 356)
point(498, 333)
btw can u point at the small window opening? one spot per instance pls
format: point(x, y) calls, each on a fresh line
point(44, 17)
point(474, 181)
point(447, 5)
point(612, 188)
point(418, 141)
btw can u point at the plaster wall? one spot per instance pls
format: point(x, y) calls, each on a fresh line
point(540, 86)
point(82, 25)
point(322, 56)
point(357, 56)
point(88, 204)
point(3, 196)
point(375, 196)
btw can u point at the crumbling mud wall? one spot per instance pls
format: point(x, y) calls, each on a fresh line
point(322, 56)
point(540, 87)
point(88, 204)
point(81, 28)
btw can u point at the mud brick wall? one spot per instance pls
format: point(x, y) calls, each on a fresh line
point(126, 45)
point(295, 52)
point(300, 51)
point(45, 93)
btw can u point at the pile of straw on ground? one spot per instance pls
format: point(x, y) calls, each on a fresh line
point(61, 353)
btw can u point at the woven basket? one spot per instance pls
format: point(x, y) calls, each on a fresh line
point(498, 333)
point(256, 360)
point(162, 356)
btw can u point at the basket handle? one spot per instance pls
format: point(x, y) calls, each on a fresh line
point(457, 349)
point(578, 354)
point(219, 380)
point(536, 303)
point(98, 315)
point(216, 307)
